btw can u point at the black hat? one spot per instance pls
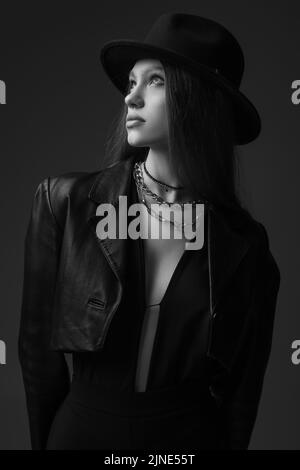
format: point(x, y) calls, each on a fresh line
point(199, 44)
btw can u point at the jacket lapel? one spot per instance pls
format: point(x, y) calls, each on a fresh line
point(112, 182)
point(226, 247)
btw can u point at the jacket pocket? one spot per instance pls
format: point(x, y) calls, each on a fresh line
point(96, 303)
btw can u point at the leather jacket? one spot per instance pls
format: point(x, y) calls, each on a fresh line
point(73, 284)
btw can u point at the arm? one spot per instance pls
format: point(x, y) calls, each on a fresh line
point(45, 372)
point(241, 405)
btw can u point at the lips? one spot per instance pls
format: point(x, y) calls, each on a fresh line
point(134, 122)
point(134, 117)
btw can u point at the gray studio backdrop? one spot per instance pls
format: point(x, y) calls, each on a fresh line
point(56, 108)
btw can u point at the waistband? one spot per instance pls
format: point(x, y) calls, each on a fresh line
point(183, 396)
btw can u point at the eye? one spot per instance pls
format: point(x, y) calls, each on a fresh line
point(130, 82)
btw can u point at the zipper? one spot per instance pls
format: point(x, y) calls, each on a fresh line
point(212, 314)
point(209, 263)
point(212, 310)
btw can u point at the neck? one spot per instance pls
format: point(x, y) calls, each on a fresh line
point(159, 166)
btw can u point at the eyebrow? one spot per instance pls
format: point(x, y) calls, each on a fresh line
point(158, 67)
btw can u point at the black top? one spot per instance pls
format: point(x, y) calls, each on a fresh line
point(179, 350)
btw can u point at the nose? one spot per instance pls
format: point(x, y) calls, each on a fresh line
point(134, 97)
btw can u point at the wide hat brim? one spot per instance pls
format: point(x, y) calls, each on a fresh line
point(119, 56)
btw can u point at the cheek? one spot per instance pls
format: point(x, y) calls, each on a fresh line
point(159, 116)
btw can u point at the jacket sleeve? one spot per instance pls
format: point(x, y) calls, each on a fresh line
point(45, 373)
point(240, 407)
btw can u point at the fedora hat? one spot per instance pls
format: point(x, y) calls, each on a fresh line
point(201, 45)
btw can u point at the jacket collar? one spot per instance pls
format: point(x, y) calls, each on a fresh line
point(226, 246)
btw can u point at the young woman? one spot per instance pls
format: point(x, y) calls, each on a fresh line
point(169, 344)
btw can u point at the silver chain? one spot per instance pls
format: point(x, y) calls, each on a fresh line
point(138, 176)
point(142, 188)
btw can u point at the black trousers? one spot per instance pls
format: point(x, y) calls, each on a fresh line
point(178, 418)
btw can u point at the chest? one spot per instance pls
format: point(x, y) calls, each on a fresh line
point(162, 253)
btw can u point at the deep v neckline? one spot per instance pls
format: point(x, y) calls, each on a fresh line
point(175, 275)
point(176, 272)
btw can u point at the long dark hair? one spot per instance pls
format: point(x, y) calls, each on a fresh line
point(202, 138)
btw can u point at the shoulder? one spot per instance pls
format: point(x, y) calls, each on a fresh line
point(247, 226)
point(73, 183)
point(267, 263)
point(69, 184)
point(57, 191)
point(257, 235)
point(241, 222)
point(62, 186)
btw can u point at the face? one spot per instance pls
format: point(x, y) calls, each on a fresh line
point(147, 98)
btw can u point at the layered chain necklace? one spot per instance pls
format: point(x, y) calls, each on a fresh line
point(165, 186)
point(143, 189)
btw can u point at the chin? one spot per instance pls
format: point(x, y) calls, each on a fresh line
point(136, 142)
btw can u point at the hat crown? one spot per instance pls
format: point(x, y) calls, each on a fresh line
point(200, 40)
